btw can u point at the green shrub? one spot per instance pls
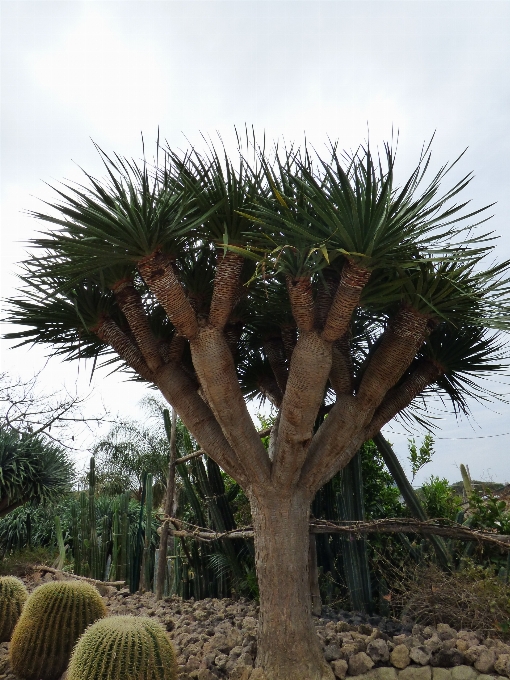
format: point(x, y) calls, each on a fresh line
point(54, 617)
point(13, 595)
point(123, 648)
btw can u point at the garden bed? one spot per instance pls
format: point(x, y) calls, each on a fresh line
point(216, 639)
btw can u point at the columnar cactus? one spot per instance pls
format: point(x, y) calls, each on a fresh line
point(54, 617)
point(13, 596)
point(123, 648)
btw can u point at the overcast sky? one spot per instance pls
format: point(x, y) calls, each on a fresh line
point(107, 71)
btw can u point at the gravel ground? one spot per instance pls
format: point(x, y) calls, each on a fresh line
point(216, 639)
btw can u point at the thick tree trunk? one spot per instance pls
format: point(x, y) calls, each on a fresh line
point(288, 647)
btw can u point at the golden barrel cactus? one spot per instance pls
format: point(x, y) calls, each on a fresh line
point(13, 596)
point(54, 617)
point(124, 648)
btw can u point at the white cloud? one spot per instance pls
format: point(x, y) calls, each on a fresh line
point(112, 80)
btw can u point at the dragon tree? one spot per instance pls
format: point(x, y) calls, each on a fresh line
point(309, 279)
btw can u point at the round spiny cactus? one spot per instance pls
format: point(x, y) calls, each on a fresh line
point(13, 595)
point(124, 648)
point(54, 617)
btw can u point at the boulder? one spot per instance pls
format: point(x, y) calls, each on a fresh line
point(464, 672)
point(360, 663)
point(415, 673)
point(447, 658)
point(399, 657)
point(340, 667)
point(502, 665)
point(485, 662)
point(420, 655)
point(378, 651)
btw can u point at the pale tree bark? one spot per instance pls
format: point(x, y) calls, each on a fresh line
point(288, 646)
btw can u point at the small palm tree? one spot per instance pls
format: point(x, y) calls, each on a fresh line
point(315, 283)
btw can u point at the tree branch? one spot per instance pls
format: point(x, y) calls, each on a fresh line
point(310, 367)
point(301, 302)
point(378, 526)
point(109, 332)
point(401, 396)
point(158, 273)
point(352, 281)
point(181, 392)
point(216, 372)
point(397, 349)
point(226, 287)
point(130, 303)
point(275, 353)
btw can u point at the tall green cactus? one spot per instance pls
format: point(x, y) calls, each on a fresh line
point(75, 533)
point(13, 596)
point(409, 495)
point(124, 648)
point(147, 567)
point(95, 563)
point(54, 617)
point(85, 533)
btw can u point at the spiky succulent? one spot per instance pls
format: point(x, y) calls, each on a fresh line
point(123, 648)
point(54, 617)
point(13, 595)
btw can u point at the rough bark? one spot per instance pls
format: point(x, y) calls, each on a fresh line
point(399, 345)
point(216, 372)
point(401, 396)
point(158, 273)
point(109, 332)
point(181, 393)
point(352, 281)
point(301, 302)
point(130, 303)
point(275, 352)
point(226, 287)
point(341, 376)
point(309, 370)
point(288, 647)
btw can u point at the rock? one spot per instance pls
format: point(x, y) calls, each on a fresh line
point(241, 673)
point(462, 645)
point(485, 662)
point(420, 655)
point(415, 673)
point(360, 663)
point(221, 661)
point(502, 665)
point(332, 652)
point(447, 658)
point(442, 673)
point(445, 632)
point(472, 654)
point(378, 651)
point(399, 657)
point(203, 674)
point(463, 672)
point(339, 668)
point(384, 673)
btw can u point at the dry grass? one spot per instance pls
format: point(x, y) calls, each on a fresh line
point(472, 598)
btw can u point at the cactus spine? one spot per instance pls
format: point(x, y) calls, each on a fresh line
point(123, 648)
point(54, 617)
point(13, 595)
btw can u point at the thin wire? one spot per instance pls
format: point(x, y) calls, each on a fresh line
point(486, 436)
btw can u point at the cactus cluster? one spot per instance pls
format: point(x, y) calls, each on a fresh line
point(123, 648)
point(13, 596)
point(54, 617)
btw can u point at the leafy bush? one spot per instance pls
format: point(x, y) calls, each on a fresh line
point(439, 499)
